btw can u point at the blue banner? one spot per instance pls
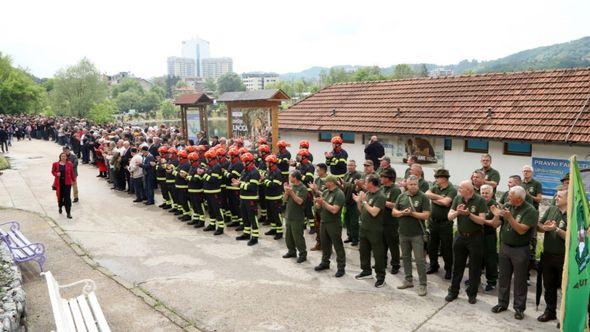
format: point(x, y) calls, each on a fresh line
point(550, 172)
point(193, 120)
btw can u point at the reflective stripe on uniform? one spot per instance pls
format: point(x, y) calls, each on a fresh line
point(273, 198)
point(212, 191)
point(180, 186)
point(248, 197)
point(195, 190)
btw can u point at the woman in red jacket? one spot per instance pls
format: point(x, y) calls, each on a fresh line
point(63, 171)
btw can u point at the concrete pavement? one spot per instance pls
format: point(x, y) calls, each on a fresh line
point(217, 283)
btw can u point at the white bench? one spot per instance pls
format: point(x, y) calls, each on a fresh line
point(82, 313)
point(21, 248)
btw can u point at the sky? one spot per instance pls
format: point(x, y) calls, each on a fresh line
point(280, 36)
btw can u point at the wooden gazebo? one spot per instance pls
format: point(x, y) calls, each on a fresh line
point(193, 102)
point(270, 98)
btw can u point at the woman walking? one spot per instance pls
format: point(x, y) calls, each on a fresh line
point(63, 171)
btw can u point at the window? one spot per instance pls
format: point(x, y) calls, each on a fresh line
point(325, 136)
point(476, 145)
point(518, 148)
point(448, 144)
point(347, 137)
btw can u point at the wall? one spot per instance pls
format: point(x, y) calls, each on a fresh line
point(459, 163)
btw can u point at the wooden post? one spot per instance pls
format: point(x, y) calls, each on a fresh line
point(203, 118)
point(229, 122)
point(183, 123)
point(274, 119)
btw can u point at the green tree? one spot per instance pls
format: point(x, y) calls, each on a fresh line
point(210, 85)
point(168, 109)
point(423, 71)
point(230, 82)
point(150, 101)
point(18, 92)
point(77, 88)
point(127, 84)
point(129, 100)
point(367, 74)
point(402, 71)
point(102, 112)
point(158, 90)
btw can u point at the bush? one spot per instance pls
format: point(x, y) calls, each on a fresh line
point(4, 164)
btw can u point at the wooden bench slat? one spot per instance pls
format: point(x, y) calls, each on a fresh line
point(97, 310)
point(77, 315)
point(86, 314)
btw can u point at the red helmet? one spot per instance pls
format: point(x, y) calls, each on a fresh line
point(271, 158)
point(182, 154)
point(239, 142)
point(191, 148)
point(211, 154)
point(201, 148)
point(243, 150)
point(220, 152)
point(261, 140)
point(172, 151)
point(163, 150)
point(282, 144)
point(336, 140)
point(303, 153)
point(193, 156)
point(233, 152)
point(263, 148)
point(247, 157)
point(304, 144)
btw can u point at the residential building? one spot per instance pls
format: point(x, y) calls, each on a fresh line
point(215, 67)
point(196, 49)
point(259, 81)
point(181, 67)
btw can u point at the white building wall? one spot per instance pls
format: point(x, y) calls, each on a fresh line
point(459, 163)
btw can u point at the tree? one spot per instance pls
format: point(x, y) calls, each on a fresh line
point(402, 71)
point(210, 85)
point(367, 74)
point(230, 82)
point(150, 101)
point(102, 112)
point(158, 90)
point(168, 109)
point(77, 88)
point(127, 84)
point(18, 92)
point(129, 100)
point(423, 71)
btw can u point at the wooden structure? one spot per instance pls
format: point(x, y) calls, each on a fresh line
point(270, 98)
point(196, 100)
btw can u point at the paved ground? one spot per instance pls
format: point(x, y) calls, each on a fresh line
point(217, 283)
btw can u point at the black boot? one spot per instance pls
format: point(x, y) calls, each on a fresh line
point(253, 241)
point(199, 224)
point(219, 231)
point(240, 228)
point(271, 232)
point(243, 237)
point(278, 236)
point(209, 228)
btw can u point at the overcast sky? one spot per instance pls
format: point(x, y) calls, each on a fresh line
point(280, 36)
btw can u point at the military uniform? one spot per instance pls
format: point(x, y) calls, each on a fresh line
point(532, 188)
point(295, 222)
point(491, 175)
point(553, 257)
point(423, 185)
point(504, 198)
point(490, 248)
point(331, 229)
point(441, 229)
point(351, 213)
point(391, 227)
point(321, 185)
point(468, 244)
point(307, 171)
point(371, 235)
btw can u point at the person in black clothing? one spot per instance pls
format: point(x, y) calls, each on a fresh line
point(3, 139)
point(148, 165)
point(374, 150)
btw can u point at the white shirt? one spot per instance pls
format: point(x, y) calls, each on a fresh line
point(135, 170)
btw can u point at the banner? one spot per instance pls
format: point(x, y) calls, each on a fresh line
point(550, 172)
point(251, 123)
point(193, 121)
point(575, 287)
point(429, 151)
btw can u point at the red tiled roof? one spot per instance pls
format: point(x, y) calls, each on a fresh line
point(189, 99)
point(525, 106)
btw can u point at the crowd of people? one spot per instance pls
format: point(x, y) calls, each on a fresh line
point(221, 184)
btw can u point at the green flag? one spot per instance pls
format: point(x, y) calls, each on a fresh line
point(575, 287)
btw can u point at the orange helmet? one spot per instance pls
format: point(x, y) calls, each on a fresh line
point(201, 148)
point(247, 157)
point(304, 144)
point(282, 144)
point(263, 148)
point(336, 140)
point(243, 150)
point(233, 152)
point(211, 154)
point(303, 153)
point(163, 150)
point(271, 158)
point(191, 148)
point(193, 156)
point(172, 151)
point(182, 154)
point(220, 152)
point(261, 140)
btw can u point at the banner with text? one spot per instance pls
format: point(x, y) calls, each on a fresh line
point(429, 151)
point(193, 121)
point(249, 124)
point(550, 172)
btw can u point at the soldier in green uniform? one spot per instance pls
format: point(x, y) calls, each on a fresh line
point(390, 223)
point(477, 180)
point(514, 180)
point(372, 207)
point(470, 211)
point(534, 191)
point(317, 188)
point(490, 240)
point(492, 176)
point(416, 170)
point(441, 194)
point(410, 161)
point(295, 197)
point(412, 208)
point(351, 213)
point(554, 225)
point(330, 205)
point(518, 219)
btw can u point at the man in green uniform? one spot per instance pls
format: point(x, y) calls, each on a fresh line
point(372, 206)
point(441, 195)
point(330, 205)
point(351, 213)
point(412, 208)
point(477, 180)
point(317, 188)
point(416, 170)
point(514, 180)
point(490, 240)
point(533, 188)
point(492, 176)
point(410, 161)
point(470, 211)
point(390, 223)
point(554, 225)
point(384, 163)
point(295, 196)
point(518, 219)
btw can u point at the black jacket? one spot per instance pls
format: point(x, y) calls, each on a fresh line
point(374, 151)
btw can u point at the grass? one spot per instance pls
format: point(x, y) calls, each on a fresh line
point(4, 164)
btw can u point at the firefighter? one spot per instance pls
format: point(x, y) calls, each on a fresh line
point(161, 176)
point(249, 183)
point(233, 192)
point(337, 158)
point(263, 151)
point(224, 162)
point(212, 189)
point(304, 144)
point(181, 185)
point(170, 178)
point(195, 191)
point(307, 172)
point(273, 193)
point(284, 157)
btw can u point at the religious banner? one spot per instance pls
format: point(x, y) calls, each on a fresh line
point(250, 124)
point(429, 151)
point(193, 120)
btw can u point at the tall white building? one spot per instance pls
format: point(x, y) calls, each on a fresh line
point(259, 81)
point(196, 49)
point(215, 67)
point(181, 67)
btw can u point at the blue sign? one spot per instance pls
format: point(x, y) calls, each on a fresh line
point(550, 172)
